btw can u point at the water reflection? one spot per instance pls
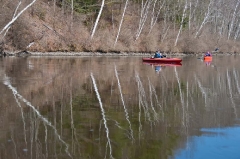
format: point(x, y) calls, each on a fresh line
point(15, 93)
point(124, 106)
point(218, 143)
point(158, 67)
point(116, 107)
point(103, 116)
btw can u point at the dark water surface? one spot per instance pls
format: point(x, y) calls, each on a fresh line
point(118, 107)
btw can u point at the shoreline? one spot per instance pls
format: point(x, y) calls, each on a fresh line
point(28, 53)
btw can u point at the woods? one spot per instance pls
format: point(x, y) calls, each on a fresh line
point(120, 26)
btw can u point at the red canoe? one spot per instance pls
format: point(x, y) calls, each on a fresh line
point(162, 60)
point(207, 58)
point(163, 64)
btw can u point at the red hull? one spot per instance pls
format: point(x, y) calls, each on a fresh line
point(207, 58)
point(162, 64)
point(162, 60)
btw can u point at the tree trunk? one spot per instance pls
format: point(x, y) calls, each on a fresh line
point(121, 22)
point(17, 16)
point(180, 30)
point(205, 19)
point(98, 17)
point(233, 19)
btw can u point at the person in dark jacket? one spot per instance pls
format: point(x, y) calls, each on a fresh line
point(158, 55)
point(208, 54)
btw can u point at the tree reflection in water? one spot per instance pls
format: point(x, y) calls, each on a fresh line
point(112, 107)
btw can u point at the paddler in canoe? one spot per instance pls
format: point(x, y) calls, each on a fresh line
point(159, 58)
point(208, 54)
point(158, 54)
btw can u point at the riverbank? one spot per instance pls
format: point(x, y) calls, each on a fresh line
point(27, 53)
point(48, 27)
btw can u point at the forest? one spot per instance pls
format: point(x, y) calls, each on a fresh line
point(186, 26)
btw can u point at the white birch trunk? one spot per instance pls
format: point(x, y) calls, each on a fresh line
point(98, 17)
point(17, 16)
point(237, 32)
point(180, 30)
point(190, 10)
point(205, 19)
point(153, 12)
point(15, 12)
point(192, 13)
point(142, 12)
point(143, 17)
point(165, 34)
point(154, 19)
point(113, 21)
point(165, 27)
point(119, 29)
point(221, 30)
point(233, 19)
point(193, 17)
point(54, 6)
point(71, 13)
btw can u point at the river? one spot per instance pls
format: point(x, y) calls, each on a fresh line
point(118, 107)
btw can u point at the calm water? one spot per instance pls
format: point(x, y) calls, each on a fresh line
point(118, 107)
